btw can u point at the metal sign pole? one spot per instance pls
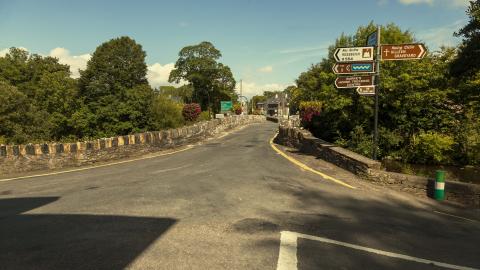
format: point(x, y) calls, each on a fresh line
point(377, 90)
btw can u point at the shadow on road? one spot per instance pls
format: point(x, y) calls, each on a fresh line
point(58, 241)
point(379, 222)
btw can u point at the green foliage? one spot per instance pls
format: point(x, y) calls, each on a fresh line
point(358, 141)
point(38, 97)
point(204, 116)
point(468, 138)
point(211, 81)
point(237, 108)
point(468, 61)
point(417, 97)
point(114, 89)
point(166, 113)
point(431, 147)
point(183, 93)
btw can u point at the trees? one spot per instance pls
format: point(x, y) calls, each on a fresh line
point(183, 93)
point(114, 90)
point(166, 113)
point(468, 61)
point(45, 97)
point(418, 101)
point(211, 81)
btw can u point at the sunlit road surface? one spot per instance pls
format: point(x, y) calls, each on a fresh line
point(221, 205)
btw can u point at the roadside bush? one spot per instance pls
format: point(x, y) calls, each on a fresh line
point(359, 142)
point(468, 138)
point(237, 109)
point(166, 113)
point(309, 114)
point(432, 148)
point(191, 112)
point(204, 116)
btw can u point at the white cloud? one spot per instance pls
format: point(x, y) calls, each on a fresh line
point(453, 3)
point(158, 74)
point(441, 36)
point(3, 52)
point(6, 50)
point(266, 69)
point(75, 62)
point(297, 50)
point(410, 2)
point(250, 89)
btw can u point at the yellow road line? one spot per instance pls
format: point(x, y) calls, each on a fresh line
point(98, 166)
point(305, 167)
point(459, 217)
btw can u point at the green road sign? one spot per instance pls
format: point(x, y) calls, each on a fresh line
point(225, 106)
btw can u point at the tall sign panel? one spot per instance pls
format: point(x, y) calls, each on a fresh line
point(357, 61)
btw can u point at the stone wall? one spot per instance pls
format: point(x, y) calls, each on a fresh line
point(31, 157)
point(467, 194)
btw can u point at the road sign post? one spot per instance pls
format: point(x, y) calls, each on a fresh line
point(359, 60)
point(225, 106)
point(372, 39)
point(377, 90)
point(403, 52)
point(354, 67)
point(354, 81)
point(354, 54)
point(366, 90)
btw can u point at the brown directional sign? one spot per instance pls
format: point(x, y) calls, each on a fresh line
point(354, 81)
point(366, 90)
point(403, 52)
point(354, 67)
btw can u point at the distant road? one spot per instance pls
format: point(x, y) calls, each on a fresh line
point(221, 205)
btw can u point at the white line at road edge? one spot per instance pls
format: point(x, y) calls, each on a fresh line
point(287, 258)
point(459, 217)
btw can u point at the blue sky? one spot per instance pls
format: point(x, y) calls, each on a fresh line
point(266, 43)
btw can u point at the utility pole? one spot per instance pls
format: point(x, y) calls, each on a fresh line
point(377, 91)
point(240, 87)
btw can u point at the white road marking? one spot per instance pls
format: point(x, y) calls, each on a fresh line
point(450, 215)
point(287, 256)
point(288, 252)
point(170, 169)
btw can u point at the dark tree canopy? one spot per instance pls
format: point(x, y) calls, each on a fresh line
point(115, 90)
point(468, 61)
point(212, 81)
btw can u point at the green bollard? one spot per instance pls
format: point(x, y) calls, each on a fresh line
point(439, 194)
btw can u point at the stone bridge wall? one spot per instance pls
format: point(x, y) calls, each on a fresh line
point(31, 157)
point(467, 194)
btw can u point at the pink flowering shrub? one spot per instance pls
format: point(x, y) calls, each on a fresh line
point(191, 112)
point(309, 110)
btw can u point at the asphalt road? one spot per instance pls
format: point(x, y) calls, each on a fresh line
point(219, 205)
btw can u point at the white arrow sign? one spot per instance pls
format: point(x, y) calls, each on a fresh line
point(366, 90)
point(354, 54)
